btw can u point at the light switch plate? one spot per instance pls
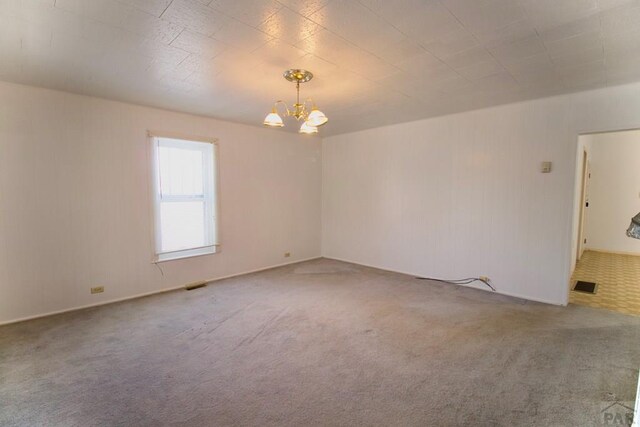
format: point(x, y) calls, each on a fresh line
point(545, 167)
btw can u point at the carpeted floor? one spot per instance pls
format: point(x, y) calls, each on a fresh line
point(320, 343)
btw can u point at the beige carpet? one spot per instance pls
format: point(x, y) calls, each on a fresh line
point(321, 343)
point(618, 279)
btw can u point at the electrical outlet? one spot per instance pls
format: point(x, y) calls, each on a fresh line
point(287, 254)
point(484, 278)
point(97, 290)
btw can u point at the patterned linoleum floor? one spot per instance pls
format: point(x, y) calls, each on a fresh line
point(618, 279)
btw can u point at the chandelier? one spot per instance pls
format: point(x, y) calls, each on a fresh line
point(310, 119)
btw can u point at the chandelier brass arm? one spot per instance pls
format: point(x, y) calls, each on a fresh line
point(300, 110)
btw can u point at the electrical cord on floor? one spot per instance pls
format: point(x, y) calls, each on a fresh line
point(159, 268)
point(466, 281)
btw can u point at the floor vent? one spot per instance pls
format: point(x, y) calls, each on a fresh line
point(195, 285)
point(585, 287)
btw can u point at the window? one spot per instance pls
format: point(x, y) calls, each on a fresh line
point(185, 200)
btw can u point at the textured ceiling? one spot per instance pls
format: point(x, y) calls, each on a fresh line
point(376, 61)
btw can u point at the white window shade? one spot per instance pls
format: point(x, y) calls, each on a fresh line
point(185, 200)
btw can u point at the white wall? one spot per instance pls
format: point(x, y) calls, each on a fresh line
point(75, 208)
point(614, 190)
point(462, 195)
point(448, 197)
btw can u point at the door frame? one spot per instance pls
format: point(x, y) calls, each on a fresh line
point(583, 201)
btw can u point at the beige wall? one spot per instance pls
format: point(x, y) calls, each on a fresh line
point(75, 209)
point(614, 191)
point(462, 195)
point(448, 197)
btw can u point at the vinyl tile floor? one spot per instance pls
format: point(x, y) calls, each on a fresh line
point(618, 279)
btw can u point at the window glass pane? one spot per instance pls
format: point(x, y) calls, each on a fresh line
point(185, 199)
point(182, 225)
point(181, 171)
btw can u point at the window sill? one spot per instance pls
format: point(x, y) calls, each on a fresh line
point(191, 253)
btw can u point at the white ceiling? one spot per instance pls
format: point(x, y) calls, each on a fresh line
point(376, 61)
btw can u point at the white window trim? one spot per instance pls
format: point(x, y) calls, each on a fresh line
point(157, 256)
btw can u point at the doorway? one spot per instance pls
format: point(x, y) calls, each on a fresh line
point(607, 261)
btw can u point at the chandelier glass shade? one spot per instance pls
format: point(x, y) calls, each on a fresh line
point(311, 118)
point(317, 118)
point(273, 119)
point(308, 129)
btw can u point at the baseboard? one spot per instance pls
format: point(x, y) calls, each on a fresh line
point(160, 291)
point(82, 307)
point(408, 273)
point(263, 269)
point(605, 251)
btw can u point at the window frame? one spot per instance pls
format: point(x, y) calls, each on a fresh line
point(210, 209)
